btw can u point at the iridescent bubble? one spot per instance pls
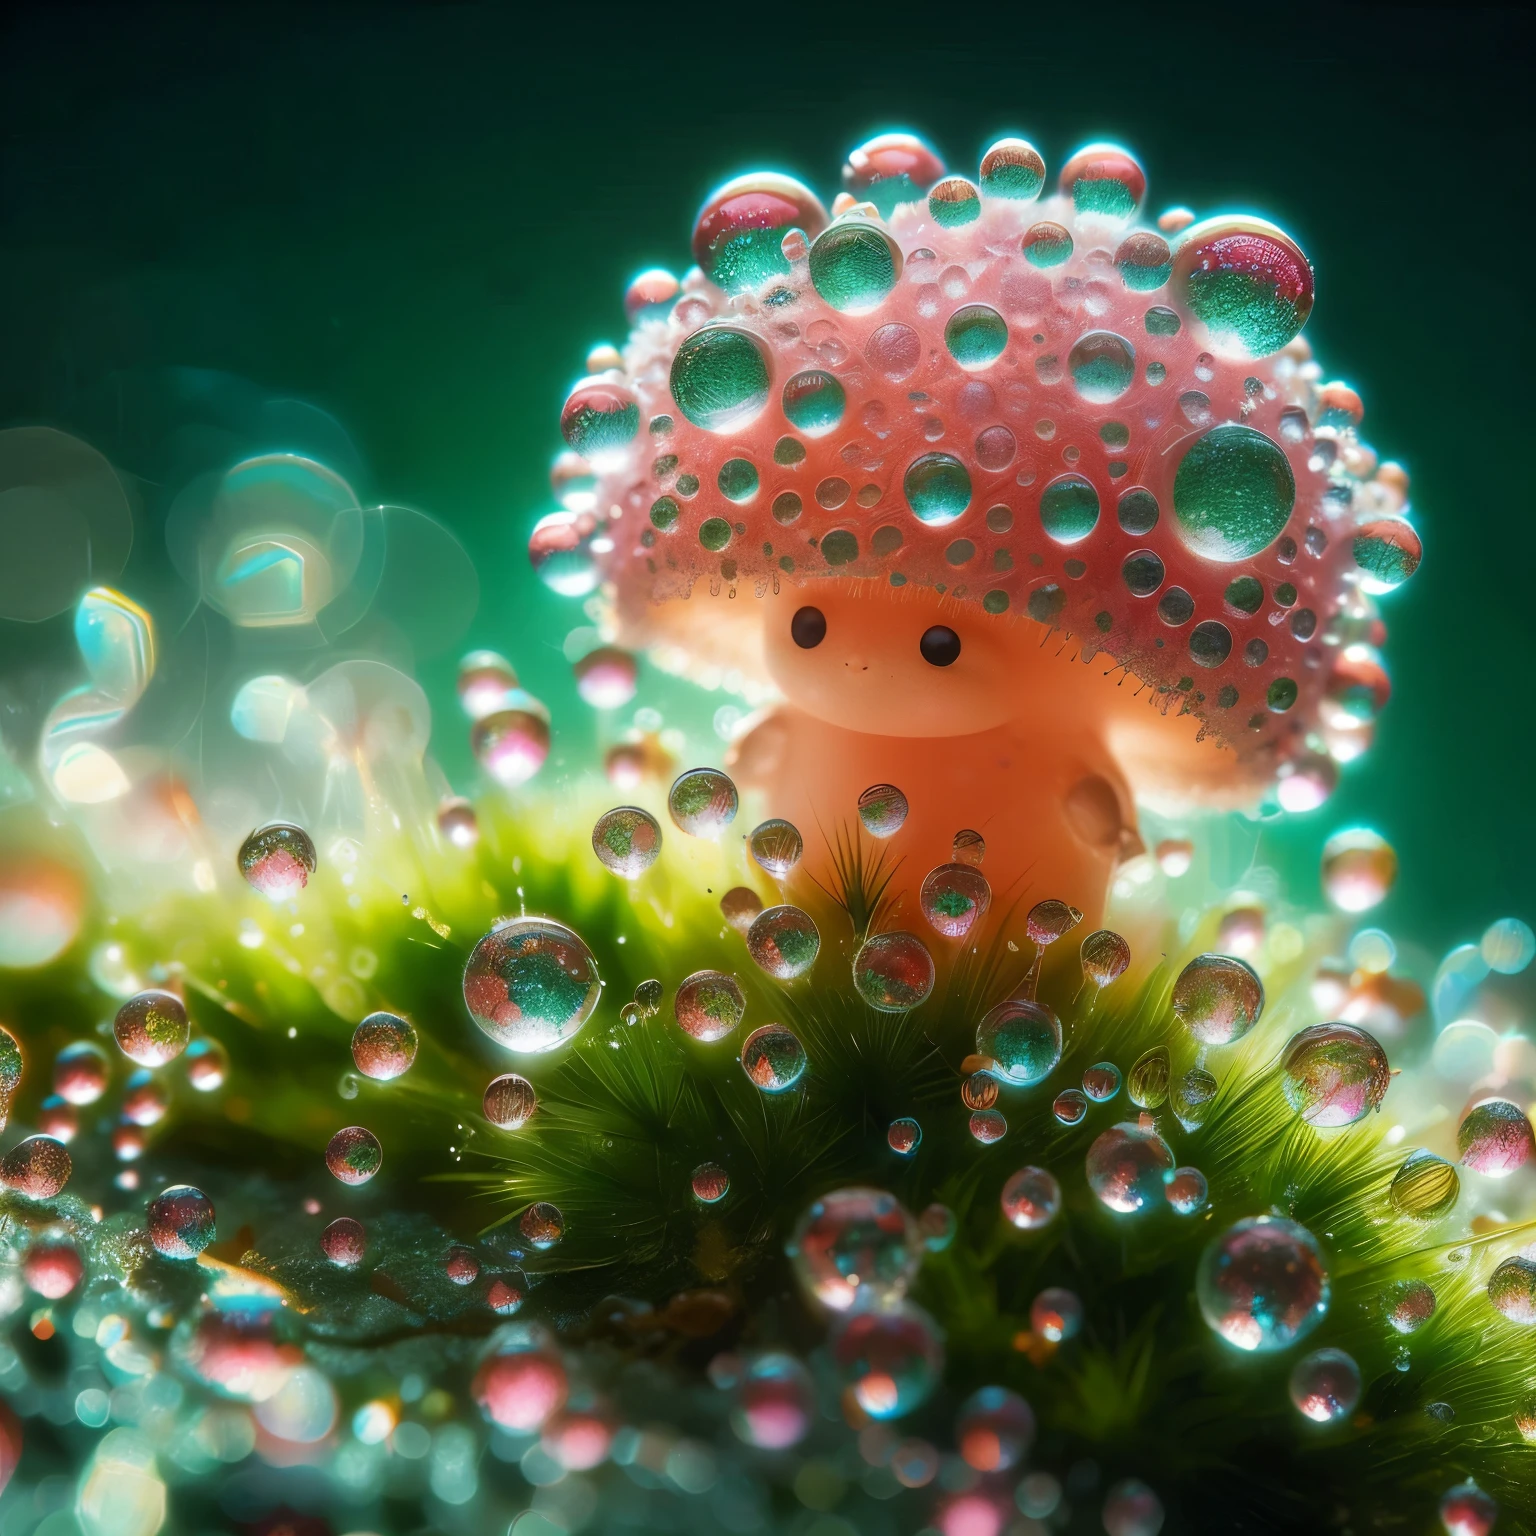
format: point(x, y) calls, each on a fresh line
point(1148, 1085)
point(814, 402)
point(1126, 1167)
point(1218, 998)
point(1334, 1074)
point(599, 420)
point(1508, 946)
point(277, 861)
point(53, 1270)
point(1388, 551)
point(994, 1429)
point(702, 802)
point(775, 1402)
point(145, 1099)
point(509, 1101)
point(344, 1242)
point(710, 1183)
point(152, 1028)
point(891, 169)
point(784, 941)
point(511, 744)
point(854, 265)
point(1359, 869)
point(1193, 1095)
point(521, 1382)
point(1132, 1509)
point(1023, 1038)
point(1425, 1187)
point(1325, 1386)
point(888, 1357)
point(1246, 281)
point(1070, 1105)
point(1408, 1305)
point(1102, 365)
point(773, 1058)
point(777, 846)
point(883, 810)
point(80, 1072)
point(606, 677)
point(1101, 1082)
point(952, 897)
point(354, 1155)
point(1232, 493)
point(485, 679)
point(1013, 169)
point(1031, 1199)
point(37, 1167)
point(855, 1245)
point(627, 841)
point(738, 236)
point(1466, 1510)
point(893, 972)
point(904, 1136)
point(709, 1005)
point(542, 1224)
point(740, 906)
point(720, 378)
point(530, 984)
point(1050, 920)
point(457, 822)
point(1187, 1191)
point(1105, 956)
point(181, 1222)
point(1262, 1284)
point(1495, 1139)
point(1056, 1314)
point(384, 1046)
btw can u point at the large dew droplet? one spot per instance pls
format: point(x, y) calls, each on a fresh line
point(627, 841)
point(1031, 1199)
point(1495, 1138)
point(709, 1005)
point(509, 1101)
point(277, 861)
point(975, 336)
point(893, 972)
point(776, 845)
point(37, 1167)
point(854, 264)
point(354, 1155)
point(1127, 1166)
point(995, 1426)
point(530, 984)
point(888, 1358)
point(1106, 956)
point(883, 810)
point(1388, 551)
point(702, 802)
point(1512, 1289)
point(952, 897)
point(1325, 1386)
point(1023, 1040)
point(1232, 493)
point(855, 1246)
point(1426, 1187)
point(938, 488)
point(511, 744)
point(1334, 1074)
point(1262, 1284)
point(1069, 509)
point(1218, 998)
point(784, 942)
point(1359, 869)
point(1013, 169)
point(384, 1046)
point(1147, 1086)
point(1102, 365)
point(181, 1222)
point(773, 1058)
point(152, 1028)
point(814, 402)
point(599, 420)
point(1247, 283)
point(720, 378)
point(738, 236)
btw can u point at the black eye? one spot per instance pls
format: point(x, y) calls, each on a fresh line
point(940, 646)
point(808, 628)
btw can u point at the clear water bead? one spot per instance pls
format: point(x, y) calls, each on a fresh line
point(1218, 998)
point(1031, 1199)
point(776, 845)
point(383, 1046)
point(181, 1222)
point(883, 810)
point(893, 972)
point(709, 1005)
point(627, 841)
point(1262, 1284)
point(1023, 1038)
point(784, 941)
point(152, 1028)
point(952, 897)
point(278, 860)
point(1127, 1166)
point(855, 1246)
point(530, 984)
point(702, 802)
point(1325, 1386)
point(773, 1058)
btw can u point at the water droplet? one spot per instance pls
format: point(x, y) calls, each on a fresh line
point(720, 378)
point(738, 236)
point(1262, 1284)
point(1325, 1386)
point(1070, 1105)
point(344, 1242)
point(1056, 1314)
point(904, 1136)
point(784, 942)
point(979, 1091)
point(1193, 1095)
point(542, 1224)
point(1069, 509)
point(988, 1126)
point(1106, 957)
point(814, 402)
point(710, 1183)
point(1388, 551)
point(1232, 493)
point(883, 810)
point(1132, 1509)
point(1359, 868)
point(893, 972)
point(530, 984)
point(207, 1065)
point(1102, 1082)
point(1466, 1510)
point(1246, 282)
point(627, 841)
point(1148, 1085)
point(975, 336)
point(1495, 1139)
point(1103, 366)
point(777, 846)
point(1508, 947)
point(1031, 1199)
point(1425, 1187)
point(599, 420)
point(938, 488)
point(1050, 920)
point(740, 906)
point(606, 677)
point(1409, 1304)
point(1105, 181)
point(854, 264)
point(510, 1101)
point(1187, 1191)
point(1218, 998)
point(53, 1270)
point(709, 1005)
point(888, 1357)
point(773, 1058)
point(1013, 169)
point(953, 203)
point(994, 1429)
point(80, 1071)
point(457, 822)
point(1126, 1166)
point(277, 861)
point(1046, 244)
point(354, 1155)
point(152, 1028)
point(775, 1403)
point(891, 169)
point(1144, 261)
point(37, 1167)
point(1334, 1074)
point(702, 802)
point(1023, 1038)
point(855, 1246)
point(485, 679)
point(181, 1222)
point(561, 553)
point(952, 897)
point(383, 1046)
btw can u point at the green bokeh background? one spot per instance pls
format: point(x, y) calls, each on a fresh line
point(419, 218)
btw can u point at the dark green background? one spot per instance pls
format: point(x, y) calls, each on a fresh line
point(419, 218)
